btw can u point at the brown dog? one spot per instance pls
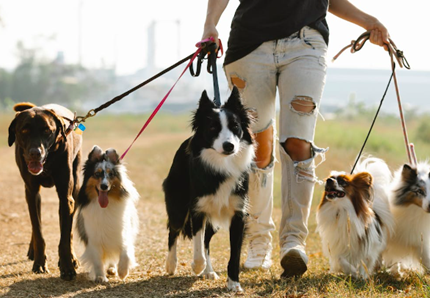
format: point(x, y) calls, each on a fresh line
point(47, 155)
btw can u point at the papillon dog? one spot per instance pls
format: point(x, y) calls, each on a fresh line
point(107, 220)
point(354, 219)
point(207, 185)
point(409, 247)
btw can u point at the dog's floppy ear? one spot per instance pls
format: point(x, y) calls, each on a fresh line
point(205, 104)
point(112, 155)
point(11, 137)
point(61, 131)
point(96, 154)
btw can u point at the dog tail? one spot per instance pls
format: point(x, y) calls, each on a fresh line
point(377, 168)
point(22, 106)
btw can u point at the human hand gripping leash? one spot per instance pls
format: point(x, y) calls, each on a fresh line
point(394, 52)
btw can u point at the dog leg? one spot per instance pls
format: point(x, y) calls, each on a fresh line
point(93, 257)
point(68, 262)
point(209, 272)
point(199, 262)
point(30, 252)
point(347, 268)
point(124, 264)
point(37, 243)
point(111, 269)
point(172, 260)
point(425, 258)
point(237, 229)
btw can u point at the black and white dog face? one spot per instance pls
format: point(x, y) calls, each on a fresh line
point(222, 129)
point(413, 186)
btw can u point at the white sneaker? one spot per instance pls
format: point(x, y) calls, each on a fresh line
point(294, 263)
point(259, 254)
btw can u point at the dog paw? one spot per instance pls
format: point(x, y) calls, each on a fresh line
point(111, 271)
point(68, 267)
point(38, 268)
point(198, 266)
point(171, 266)
point(122, 272)
point(210, 275)
point(101, 279)
point(234, 286)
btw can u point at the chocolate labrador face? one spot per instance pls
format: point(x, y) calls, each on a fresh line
point(35, 131)
point(47, 157)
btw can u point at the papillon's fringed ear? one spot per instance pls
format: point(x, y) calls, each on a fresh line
point(204, 104)
point(409, 173)
point(112, 156)
point(363, 180)
point(96, 154)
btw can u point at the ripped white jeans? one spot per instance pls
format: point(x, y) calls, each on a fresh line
point(295, 67)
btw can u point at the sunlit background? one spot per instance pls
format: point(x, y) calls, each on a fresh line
point(84, 52)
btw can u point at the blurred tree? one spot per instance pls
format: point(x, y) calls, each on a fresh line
point(40, 81)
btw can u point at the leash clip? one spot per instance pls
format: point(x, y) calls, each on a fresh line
point(91, 113)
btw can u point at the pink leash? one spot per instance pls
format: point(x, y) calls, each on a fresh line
point(356, 45)
point(200, 46)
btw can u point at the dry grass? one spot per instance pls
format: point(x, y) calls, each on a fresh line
point(147, 163)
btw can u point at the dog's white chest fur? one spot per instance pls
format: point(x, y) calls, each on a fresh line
point(221, 206)
point(111, 228)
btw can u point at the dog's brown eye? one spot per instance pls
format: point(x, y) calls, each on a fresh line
point(421, 192)
point(47, 131)
point(25, 130)
point(341, 182)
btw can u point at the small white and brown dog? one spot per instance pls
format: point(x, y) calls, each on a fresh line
point(354, 219)
point(409, 247)
point(107, 220)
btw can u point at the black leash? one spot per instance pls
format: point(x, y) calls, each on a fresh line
point(93, 112)
point(371, 126)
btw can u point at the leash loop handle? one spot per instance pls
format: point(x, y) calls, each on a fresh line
point(211, 49)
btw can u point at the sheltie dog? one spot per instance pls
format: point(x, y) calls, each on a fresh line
point(107, 220)
point(207, 185)
point(409, 248)
point(354, 219)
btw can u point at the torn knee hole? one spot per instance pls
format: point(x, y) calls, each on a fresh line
point(238, 82)
point(303, 104)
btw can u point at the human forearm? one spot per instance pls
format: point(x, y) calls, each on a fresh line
point(213, 14)
point(349, 12)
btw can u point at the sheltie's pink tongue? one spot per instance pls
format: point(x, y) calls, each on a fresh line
point(35, 167)
point(103, 199)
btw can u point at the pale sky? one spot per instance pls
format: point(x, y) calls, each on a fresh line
point(114, 32)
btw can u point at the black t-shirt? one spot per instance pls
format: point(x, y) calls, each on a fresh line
point(257, 21)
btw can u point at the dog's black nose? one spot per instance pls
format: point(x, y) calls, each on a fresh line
point(329, 182)
point(35, 153)
point(103, 186)
point(228, 147)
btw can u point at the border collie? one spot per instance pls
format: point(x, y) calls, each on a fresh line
point(354, 219)
point(107, 220)
point(409, 248)
point(207, 185)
